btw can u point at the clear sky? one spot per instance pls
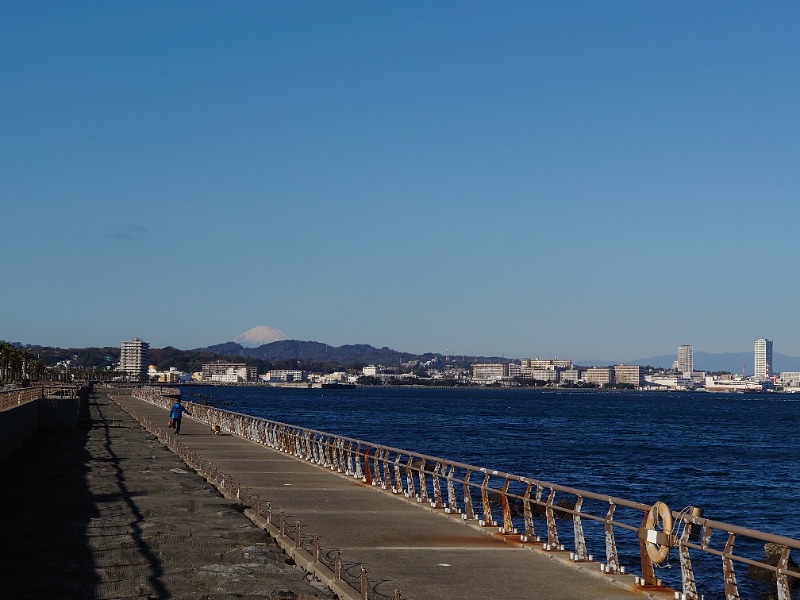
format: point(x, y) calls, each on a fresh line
point(599, 180)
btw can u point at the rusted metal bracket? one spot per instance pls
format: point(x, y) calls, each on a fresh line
point(530, 532)
point(731, 589)
point(508, 524)
point(552, 531)
point(397, 488)
point(423, 483)
point(612, 558)
point(580, 542)
point(437, 487)
point(411, 491)
point(469, 512)
point(487, 520)
point(357, 472)
point(367, 472)
point(452, 500)
point(376, 478)
point(387, 471)
point(687, 573)
point(781, 579)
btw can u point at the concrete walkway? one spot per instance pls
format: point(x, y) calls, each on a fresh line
point(425, 554)
point(105, 511)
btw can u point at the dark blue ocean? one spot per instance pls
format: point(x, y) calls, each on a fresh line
point(737, 456)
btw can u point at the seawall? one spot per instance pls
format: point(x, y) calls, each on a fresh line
point(20, 422)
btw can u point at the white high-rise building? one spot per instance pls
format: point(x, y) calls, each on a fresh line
point(763, 359)
point(133, 357)
point(685, 360)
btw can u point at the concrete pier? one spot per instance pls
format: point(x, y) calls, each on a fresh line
point(103, 510)
point(424, 553)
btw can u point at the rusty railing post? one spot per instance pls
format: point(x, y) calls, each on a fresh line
point(364, 583)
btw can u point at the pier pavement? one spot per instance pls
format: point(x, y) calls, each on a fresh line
point(423, 553)
point(106, 511)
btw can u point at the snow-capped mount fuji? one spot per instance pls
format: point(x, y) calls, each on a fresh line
point(260, 335)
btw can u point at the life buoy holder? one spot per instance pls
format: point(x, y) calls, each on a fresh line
point(659, 527)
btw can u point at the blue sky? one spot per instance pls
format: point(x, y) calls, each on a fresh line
point(577, 179)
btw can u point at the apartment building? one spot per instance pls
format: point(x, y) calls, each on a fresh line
point(228, 372)
point(488, 373)
point(545, 363)
point(685, 360)
point(133, 358)
point(601, 376)
point(287, 375)
point(763, 359)
point(629, 374)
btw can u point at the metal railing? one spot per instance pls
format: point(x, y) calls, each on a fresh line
point(526, 510)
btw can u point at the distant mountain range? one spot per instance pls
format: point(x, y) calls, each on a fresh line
point(363, 354)
point(366, 354)
point(318, 352)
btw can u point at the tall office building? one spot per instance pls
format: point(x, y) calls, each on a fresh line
point(763, 359)
point(685, 360)
point(133, 359)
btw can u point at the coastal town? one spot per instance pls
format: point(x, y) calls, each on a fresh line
point(530, 372)
point(135, 364)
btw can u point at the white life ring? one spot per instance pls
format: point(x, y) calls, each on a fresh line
point(661, 515)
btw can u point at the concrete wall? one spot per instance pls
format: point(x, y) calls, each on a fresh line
point(19, 423)
point(59, 412)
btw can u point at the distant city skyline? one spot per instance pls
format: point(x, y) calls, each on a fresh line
point(527, 179)
point(761, 364)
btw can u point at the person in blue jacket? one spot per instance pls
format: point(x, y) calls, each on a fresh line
point(176, 413)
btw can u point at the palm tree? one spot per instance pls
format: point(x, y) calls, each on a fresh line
point(6, 350)
point(37, 370)
point(13, 363)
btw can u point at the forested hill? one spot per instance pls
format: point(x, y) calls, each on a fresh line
point(288, 354)
point(317, 352)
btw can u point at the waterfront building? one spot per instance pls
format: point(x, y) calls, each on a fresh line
point(133, 358)
point(601, 376)
point(763, 359)
point(231, 375)
point(488, 373)
point(173, 375)
point(228, 372)
point(545, 363)
point(727, 383)
point(371, 371)
point(675, 382)
point(570, 376)
point(285, 375)
point(629, 374)
point(685, 360)
point(790, 379)
point(543, 374)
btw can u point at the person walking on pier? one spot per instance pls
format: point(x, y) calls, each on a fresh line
point(176, 413)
